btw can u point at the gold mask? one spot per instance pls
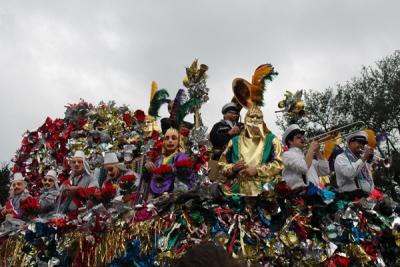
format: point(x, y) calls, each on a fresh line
point(254, 123)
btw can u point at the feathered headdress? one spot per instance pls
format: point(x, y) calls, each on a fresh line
point(250, 94)
point(182, 107)
point(157, 98)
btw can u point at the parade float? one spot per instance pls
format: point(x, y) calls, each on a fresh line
point(152, 216)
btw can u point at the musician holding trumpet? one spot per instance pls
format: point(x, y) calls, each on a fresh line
point(301, 170)
point(353, 176)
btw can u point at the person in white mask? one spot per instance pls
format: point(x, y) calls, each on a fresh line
point(81, 184)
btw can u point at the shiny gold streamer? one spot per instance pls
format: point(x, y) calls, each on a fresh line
point(11, 253)
point(111, 243)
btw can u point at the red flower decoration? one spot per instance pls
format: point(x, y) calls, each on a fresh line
point(158, 145)
point(155, 135)
point(336, 261)
point(139, 115)
point(59, 222)
point(82, 122)
point(186, 163)
point(127, 182)
point(153, 154)
point(127, 119)
point(30, 206)
point(369, 248)
point(376, 194)
point(185, 131)
point(163, 169)
point(282, 188)
point(108, 191)
point(156, 150)
point(128, 178)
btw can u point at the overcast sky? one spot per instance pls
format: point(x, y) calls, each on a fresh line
point(53, 53)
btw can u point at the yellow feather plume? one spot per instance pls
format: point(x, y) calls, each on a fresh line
point(154, 88)
point(260, 73)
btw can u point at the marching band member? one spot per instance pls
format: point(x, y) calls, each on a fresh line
point(300, 169)
point(352, 168)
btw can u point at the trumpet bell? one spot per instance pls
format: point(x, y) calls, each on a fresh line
point(387, 163)
point(241, 91)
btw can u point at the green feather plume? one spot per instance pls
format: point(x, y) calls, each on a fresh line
point(159, 98)
point(184, 110)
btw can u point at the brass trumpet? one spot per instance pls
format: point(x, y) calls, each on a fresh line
point(335, 135)
point(385, 162)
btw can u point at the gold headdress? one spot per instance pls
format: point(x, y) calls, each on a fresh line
point(252, 94)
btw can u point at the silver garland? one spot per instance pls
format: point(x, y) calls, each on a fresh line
point(199, 90)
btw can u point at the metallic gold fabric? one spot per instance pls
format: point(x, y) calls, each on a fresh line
point(271, 172)
point(254, 123)
point(150, 125)
point(251, 152)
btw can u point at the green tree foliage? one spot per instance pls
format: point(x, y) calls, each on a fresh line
point(4, 183)
point(373, 97)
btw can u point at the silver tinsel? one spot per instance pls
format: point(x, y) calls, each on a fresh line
point(198, 138)
point(199, 90)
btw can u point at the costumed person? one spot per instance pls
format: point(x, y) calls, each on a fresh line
point(166, 170)
point(300, 169)
point(50, 193)
point(18, 193)
point(79, 187)
point(225, 130)
point(353, 176)
point(174, 109)
point(116, 173)
point(157, 98)
point(252, 161)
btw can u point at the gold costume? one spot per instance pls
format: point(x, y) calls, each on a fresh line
point(257, 147)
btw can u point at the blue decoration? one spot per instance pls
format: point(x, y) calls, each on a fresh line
point(133, 256)
point(264, 220)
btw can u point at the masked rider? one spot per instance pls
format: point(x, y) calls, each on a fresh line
point(18, 193)
point(80, 186)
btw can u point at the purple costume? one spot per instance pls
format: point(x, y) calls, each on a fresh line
point(167, 184)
